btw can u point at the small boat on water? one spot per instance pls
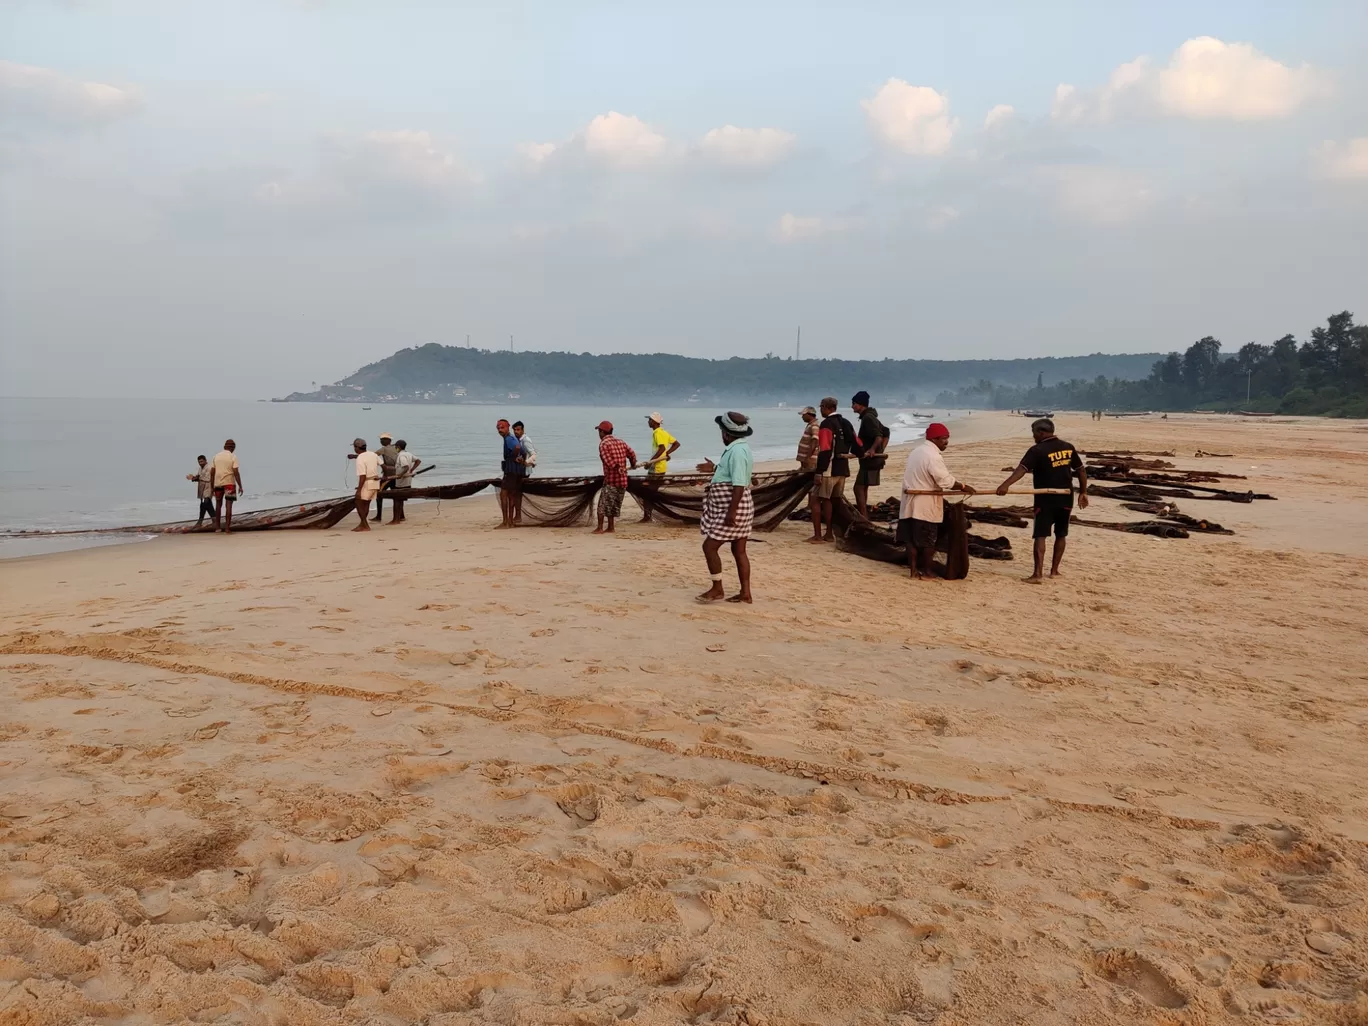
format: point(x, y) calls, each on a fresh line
point(365, 407)
point(1248, 413)
point(1037, 413)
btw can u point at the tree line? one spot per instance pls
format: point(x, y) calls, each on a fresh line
point(1327, 374)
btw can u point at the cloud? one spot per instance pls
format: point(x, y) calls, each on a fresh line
point(538, 153)
point(1344, 162)
point(1099, 194)
point(406, 158)
point(621, 140)
point(1207, 78)
point(1204, 79)
point(45, 94)
point(941, 217)
point(746, 147)
point(1002, 112)
point(794, 228)
point(911, 119)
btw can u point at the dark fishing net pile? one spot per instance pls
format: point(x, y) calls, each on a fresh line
point(863, 537)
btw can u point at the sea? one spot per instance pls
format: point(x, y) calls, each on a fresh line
point(87, 464)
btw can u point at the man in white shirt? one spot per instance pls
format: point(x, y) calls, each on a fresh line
point(920, 515)
point(405, 464)
point(368, 468)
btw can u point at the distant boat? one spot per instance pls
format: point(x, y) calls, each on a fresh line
point(365, 407)
point(1247, 413)
point(1037, 413)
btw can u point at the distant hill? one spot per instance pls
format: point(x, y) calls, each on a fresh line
point(445, 374)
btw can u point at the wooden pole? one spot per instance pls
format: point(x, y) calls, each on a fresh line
point(1012, 491)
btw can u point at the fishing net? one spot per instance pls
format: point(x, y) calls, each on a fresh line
point(679, 497)
point(558, 501)
point(863, 537)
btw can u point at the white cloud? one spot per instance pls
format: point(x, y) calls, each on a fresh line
point(406, 157)
point(912, 119)
point(1100, 194)
point(622, 140)
point(746, 147)
point(1205, 78)
point(538, 153)
point(941, 217)
point(792, 227)
point(1002, 112)
point(1346, 161)
point(44, 93)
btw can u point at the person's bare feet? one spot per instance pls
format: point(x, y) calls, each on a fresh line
point(362, 527)
point(743, 597)
point(817, 540)
point(1055, 573)
point(713, 594)
point(597, 530)
point(1034, 579)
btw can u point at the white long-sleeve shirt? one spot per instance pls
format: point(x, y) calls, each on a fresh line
point(926, 471)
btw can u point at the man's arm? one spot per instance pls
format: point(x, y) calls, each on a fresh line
point(658, 455)
point(1082, 488)
point(1016, 476)
point(671, 450)
point(946, 482)
point(237, 475)
point(631, 455)
point(213, 473)
point(825, 443)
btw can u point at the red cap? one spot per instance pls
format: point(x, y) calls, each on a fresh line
point(501, 423)
point(606, 426)
point(937, 430)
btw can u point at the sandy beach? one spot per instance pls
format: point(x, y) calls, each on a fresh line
point(447, 774)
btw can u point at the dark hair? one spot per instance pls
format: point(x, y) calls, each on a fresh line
point(1043, 424)
point(399, 443)
point(201, 456)
point(518, 423)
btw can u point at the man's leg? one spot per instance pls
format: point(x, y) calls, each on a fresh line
point(815, 508)
point(710, 547)
point(1058, 556)
point(517, 505)
point(1038, 574)
point(738, 548)
point(379, 504)
point(218, 511)
point(862, 494)
point(609, 528)
point(228, 515)
point(362, 514)
point(926, 558)
point(397, 517)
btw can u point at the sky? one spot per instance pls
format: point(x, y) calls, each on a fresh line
point(243, 198)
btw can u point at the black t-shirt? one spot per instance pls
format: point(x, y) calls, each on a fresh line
point(1052, 464)
point(872, 431)
point(842, 441)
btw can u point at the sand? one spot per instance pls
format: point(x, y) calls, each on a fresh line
point(446, 774)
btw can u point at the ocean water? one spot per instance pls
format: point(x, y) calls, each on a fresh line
point(83, 464)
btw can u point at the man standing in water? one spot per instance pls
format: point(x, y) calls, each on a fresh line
point(204, 489)
point(368, 470)
point(225, 482)
point(615, 455)
point(1052, 463)
point(728, 509)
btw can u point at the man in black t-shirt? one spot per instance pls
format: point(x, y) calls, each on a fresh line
point(1052, 463)
point(835, 439)
point(869, 446)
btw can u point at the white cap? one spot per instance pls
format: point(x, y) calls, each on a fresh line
point(657, 418)
point(385, 434)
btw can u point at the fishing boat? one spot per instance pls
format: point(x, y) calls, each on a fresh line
point(1250, 413)
point(365, 407)
point(1037, 413)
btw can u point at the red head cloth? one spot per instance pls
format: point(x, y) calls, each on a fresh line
point(501, 423)
point(606, 427)
point(937, 430)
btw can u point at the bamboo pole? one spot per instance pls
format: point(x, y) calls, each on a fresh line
point(1011, 491)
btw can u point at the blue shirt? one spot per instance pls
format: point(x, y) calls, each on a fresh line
point(735, 466)
point(511, 450)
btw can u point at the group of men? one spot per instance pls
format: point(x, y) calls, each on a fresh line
point(826, 448)
point(218, 484)
point(388, 468)
point(1052, 464)
point(518, 459)
point(617, 457)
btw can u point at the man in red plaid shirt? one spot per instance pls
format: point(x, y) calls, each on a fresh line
point(616, 456)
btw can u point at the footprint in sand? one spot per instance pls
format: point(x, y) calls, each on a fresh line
point(1136, 973)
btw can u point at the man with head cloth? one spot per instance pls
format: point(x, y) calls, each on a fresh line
point(728, 509)
point(369, 470)
point(920, 514)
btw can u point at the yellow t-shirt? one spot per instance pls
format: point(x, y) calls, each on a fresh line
point(660, 437)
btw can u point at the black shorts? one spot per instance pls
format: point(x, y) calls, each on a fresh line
point(868, 474)
point(512, 483)
point(1052, 516)
point(920, 534)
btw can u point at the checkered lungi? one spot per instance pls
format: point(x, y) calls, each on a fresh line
point(716, 502)
point(610, 501)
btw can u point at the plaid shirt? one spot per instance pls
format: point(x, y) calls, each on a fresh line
point(615, 454)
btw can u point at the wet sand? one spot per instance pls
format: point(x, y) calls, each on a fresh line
point(452, 775)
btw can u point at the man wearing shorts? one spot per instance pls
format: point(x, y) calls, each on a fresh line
point(225, 482)
point(835, 436)
point(369, 468)
point(1052, 463)
point(615, 455)
point(919, 514)
point(510, 485)
point(870, 441)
